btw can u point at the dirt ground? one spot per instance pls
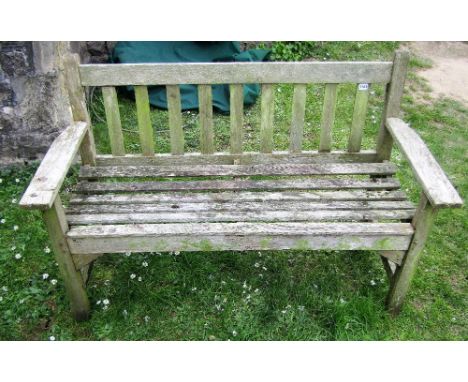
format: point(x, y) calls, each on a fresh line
point(449, 73)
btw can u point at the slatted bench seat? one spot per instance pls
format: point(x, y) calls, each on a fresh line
point(236, 200)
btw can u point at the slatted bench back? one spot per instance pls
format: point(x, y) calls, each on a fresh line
point(140, 76)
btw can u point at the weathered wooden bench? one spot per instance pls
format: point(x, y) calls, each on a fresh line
point(267, 200)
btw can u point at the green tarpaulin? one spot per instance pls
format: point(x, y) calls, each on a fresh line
point(187, 51)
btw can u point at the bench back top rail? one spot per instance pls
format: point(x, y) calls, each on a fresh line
point(267, 74)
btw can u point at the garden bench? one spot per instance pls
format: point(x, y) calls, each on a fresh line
point(214, 201)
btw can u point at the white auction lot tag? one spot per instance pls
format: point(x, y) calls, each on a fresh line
point(363, 86)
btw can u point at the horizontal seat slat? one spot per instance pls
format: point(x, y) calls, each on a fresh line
point(246, 196)
point(218, 185)
point(234, 73)
point(364, 156)
point(240, 215)
point(271, 205)
point(238, 236)
point(239, 170)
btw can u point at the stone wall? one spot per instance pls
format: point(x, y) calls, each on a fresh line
point(33, 108)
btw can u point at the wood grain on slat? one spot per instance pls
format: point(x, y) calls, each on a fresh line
point(267, 118)
point(48, 179)
point(359, 118)
point(328, 117)
point(252, 206)
point(114, 125)
point(175, 119)
point(239, 236)
point(230, 73)
point(437, 187)
point(364, 156)
point(236, 111)
point(240, 170)
point(244, 196)
point(297, 122)
point(206, 119)
point(144, 120)
point(217, 185)
point(237, 216)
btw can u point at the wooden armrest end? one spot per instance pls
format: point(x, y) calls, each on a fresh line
point(49, 177)
point(435, 183)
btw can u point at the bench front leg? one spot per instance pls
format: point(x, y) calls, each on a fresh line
point(57, 227)
point(422, 223)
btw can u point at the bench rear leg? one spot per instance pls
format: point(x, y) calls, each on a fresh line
point(57, 227)
point(422, 223)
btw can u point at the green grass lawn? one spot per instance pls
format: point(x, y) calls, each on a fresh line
point(288, 295)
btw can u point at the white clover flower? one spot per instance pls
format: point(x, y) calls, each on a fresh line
point(15, 228)
point(124, 312)
point(194, 289)
point(18, 256)
point(45, 276)
point(106, 301)
point(177, 253)
point(144, 263)
point(3, 221)
point(13, 247)
point(98, 302)
point(234, 333)
point(140, 278)
point(51, 338)
point(372, 282)
point(256, 290)
point(105, 307)
point(47, 250)
point(147, 318)
point(128, 254)
point(13, 201)
point(284, 311)
point(264, 268)
point(53, 282)
point(132, 276)
point(17, 180)
point(256, 265)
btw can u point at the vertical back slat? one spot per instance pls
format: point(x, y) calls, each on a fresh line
point(144, 120)
point(268, 114)
point(297, 122)
point(328, 117)
point(237, 108)
point(114, 125)
point(206, 119)
point(359, 118)
point(175, 119)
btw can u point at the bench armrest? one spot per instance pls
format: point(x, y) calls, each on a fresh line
point(49, 177)
point(435, 184)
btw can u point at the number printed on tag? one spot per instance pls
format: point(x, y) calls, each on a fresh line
point(363, 86)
